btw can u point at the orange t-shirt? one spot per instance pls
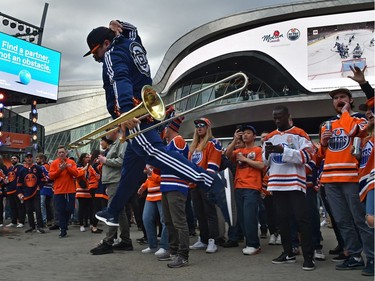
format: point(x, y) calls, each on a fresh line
point(247, 176)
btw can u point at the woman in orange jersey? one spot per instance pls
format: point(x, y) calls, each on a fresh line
point(86, 183)
point(205, 151)
point(151, 211)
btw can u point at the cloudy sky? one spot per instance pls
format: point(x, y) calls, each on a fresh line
point(160, 23)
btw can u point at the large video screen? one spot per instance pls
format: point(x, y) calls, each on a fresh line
point(28, 68)
point(316, 51)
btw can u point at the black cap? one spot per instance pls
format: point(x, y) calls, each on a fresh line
point(248, 127)
point(340, 90)
point(97, 37)
point(28, 154)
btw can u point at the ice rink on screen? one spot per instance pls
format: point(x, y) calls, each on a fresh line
point(324, 61)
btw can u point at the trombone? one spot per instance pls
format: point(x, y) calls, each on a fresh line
point(152, 105)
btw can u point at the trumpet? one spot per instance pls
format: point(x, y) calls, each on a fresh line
point(152, 105)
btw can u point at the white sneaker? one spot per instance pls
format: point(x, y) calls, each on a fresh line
point(319, 255)
point(1, 225)
point(82, 228)
point(20, 225)
point(211, 247)
point(198, 245)
point(323, 223)
point(278, 240)
point(272, 240)
point(11, 225)
point(250, 250)
point(160, 252)
point(148, 250)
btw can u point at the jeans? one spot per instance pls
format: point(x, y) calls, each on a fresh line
point(312, 205)
point(150, 215)
point(17, 209)
point(174, 203)
point(206, 215)
point(370, 203)
point(122, 220)
point(46, 207)
point(349, 214)
point(287, 202)
point(247, 202)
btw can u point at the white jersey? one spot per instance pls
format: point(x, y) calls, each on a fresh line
point(287, 170)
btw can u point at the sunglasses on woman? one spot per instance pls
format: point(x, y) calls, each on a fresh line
point(200, 125)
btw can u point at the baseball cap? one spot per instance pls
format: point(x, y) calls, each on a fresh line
point(204, 121)
point(248, 127)
point(97, 37)
point(369, 104)
point(28, 154)
point(340, 90)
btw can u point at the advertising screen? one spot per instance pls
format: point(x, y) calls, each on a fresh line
point(317, 51)
point(28, 68)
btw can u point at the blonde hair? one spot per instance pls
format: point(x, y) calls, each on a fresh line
point(197, 145)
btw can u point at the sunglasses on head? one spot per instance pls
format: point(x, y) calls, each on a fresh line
point(200, 125)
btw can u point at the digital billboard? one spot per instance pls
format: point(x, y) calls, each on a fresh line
point(28, 68)
point(307, 48)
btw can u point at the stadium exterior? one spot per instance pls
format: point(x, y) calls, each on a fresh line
point(258, 43)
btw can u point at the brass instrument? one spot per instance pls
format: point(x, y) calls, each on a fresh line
point(152, 105)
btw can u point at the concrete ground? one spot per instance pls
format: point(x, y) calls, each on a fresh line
point(33, 256)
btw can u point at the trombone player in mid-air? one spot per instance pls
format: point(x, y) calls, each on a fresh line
point(125, 72)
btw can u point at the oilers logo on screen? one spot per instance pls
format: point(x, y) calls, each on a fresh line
point(339, 140)
point(277, 158)
point(366, 151)
point(197, 157)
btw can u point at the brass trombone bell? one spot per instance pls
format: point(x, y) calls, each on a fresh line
point(151, 104)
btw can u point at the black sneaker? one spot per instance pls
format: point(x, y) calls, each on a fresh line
point(166, 257)
point(54, 227)
point(106, 217)
point(340, 258)
point(40, 230)
point(123, 246)
point(263, 234)
point(230, 244)
point(63, 234)
point(102, 249)
point(308, 264)
point(335, 251)
point(142, 241)
point(351, 263)
point(31, 229)
point(284, 258)
point(178, 261)
point(369, 269)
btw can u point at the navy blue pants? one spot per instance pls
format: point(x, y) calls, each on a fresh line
point(149, 148)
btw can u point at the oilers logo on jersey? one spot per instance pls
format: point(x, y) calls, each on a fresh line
point(366, 152)
point(339, 140)
point(139, 57)
point(197, 157)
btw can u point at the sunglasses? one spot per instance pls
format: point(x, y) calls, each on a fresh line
point(200, 125)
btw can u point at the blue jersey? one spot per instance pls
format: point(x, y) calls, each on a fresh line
point(125, 72)
point(170, 182)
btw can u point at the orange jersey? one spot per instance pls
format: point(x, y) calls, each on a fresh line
point(339, 163)
point(63, 180)
point(152, 184)
point(210, 158)
point(91, 180)
point(247, 176)
point(366, 168)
